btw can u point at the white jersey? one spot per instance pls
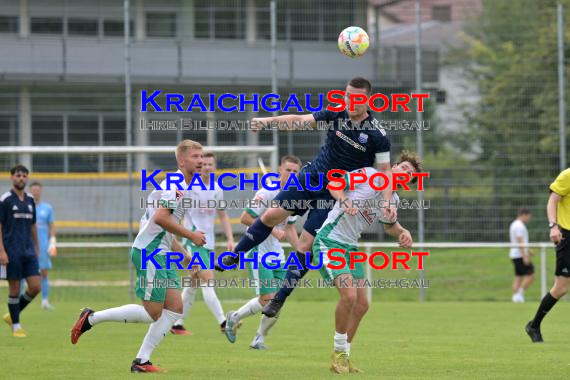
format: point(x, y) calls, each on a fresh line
point(151, 235)
point(203, 219)
point(346, 229)
point(517, 230)
point(271, 244)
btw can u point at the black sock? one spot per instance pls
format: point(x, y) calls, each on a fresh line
point(545, 305)
point(254, 235)
point(25, 299)
point(292, 276)
point(14, 309)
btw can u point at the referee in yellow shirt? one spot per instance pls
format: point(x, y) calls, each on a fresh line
point(558, 212)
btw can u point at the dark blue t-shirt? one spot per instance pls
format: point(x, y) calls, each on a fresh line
point(17, 218)
point(348, 148)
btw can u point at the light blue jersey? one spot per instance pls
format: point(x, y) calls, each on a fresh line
point(44, 216)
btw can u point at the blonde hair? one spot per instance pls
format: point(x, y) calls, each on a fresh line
point(186, 145)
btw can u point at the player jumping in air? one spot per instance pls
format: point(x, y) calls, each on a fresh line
point(202, 219)
point(263, 276)
point(345, 148)
point(161, 306)
point(342, 230)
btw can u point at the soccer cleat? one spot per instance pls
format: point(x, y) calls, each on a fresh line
point(340, 362)
point(179, 330)
point(81, 325)
point(147, 366)
point(8, 319)
point(19, 333)
point(231, 327)
point(259, 345)
point(534, 333)
point(353, 369)
point(272, 308)
point(48, 306)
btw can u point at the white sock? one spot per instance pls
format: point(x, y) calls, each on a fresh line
point(213, 303)
point(348, 345)
point(340, 342)
point(265, 325)
point(127, 313)
point(251, 307)
point(16, 326)
point(156, 332)
point(520, 292)
point(188, 297)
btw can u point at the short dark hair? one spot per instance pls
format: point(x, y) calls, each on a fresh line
point(413, 159)
point(291, 158)
point(523, 211)
point(35, 184)
point(19, 168)
point(209, 154)
point(360, 82)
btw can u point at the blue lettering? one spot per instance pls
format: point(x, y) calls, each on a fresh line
point(145, 179)
point(308, 261)
point(150, 258)
point(221, 181)
point(308, 103)
point(276, 263)
point(292, 178)
point(292, 257)
point(196, 99)
point(277, 105)
point(308, 182)
point(196, 178)
point(170, 102)
point(178, 257)
point(252, 260)
point(243, 101)
point(196, 260)
point(274, 185)
point(254, 181)
point(221, 102)
point(292, 99)
point(145, 101)
point(212, 98)
point(221, 261)
point(174, 179)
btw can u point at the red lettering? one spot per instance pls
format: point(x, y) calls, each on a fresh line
point(332, 179)
point(384, 256)
point(403, 103)
point(420, 177)
point(420, 256)
point(340, 259)
point(354, 101)
point(402, 182)
point(384, 106)
point(385, 182)
point(420, 98)
point(357, 178)
point(332, 100)
point(354, 260)
point(403, 261)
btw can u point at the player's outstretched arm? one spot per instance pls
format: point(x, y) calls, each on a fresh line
point(163, 219)
point(397, 231)
point(284, 121)
point(345, 203)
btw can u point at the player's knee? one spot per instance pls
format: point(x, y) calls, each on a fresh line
point(362, 306)
point(305, 245)
point(33, 289)
point(273, 217)
point(349, 297)
point(154, 314)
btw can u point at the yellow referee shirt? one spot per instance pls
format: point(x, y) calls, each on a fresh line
point(561, 186)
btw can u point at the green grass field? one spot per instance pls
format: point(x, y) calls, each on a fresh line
point(397, 340)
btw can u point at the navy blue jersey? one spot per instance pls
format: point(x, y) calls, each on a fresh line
point(348, 148)
point(18, 218)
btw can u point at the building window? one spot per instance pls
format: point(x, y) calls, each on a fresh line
point(441, 13)
point(47, 25)
point(9, 24)
point(116, 28)
point(82, 27)
point(47, 131)
point(161, 24)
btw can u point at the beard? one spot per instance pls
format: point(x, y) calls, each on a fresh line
point(20, 185)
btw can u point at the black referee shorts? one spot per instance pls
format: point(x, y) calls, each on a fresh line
point(563, 255)
point(521, 269)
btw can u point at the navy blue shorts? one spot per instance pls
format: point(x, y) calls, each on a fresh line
point(317, 216)
point(22, 266)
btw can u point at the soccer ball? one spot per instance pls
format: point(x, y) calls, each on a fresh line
point(353, 42)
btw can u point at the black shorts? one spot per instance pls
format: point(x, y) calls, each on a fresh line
point(521, 269)
point(22, 266)
point(563, 255)
point(318, 213)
